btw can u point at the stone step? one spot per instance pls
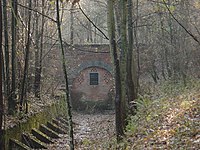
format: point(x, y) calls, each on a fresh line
point(60, 124)
point(32, 142)
point(64, 121)
point(41, 136)
point(55, 128)
point(17, 145)
point(49, 132)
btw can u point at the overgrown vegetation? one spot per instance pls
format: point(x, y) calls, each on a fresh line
point(154, 40)
point(167, 118)
point(91, 106)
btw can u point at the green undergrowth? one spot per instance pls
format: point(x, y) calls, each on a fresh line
point(168, 117)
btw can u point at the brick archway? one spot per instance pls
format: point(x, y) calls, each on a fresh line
point(88, 64)
point(92, 87)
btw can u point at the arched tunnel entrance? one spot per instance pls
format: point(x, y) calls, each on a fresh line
point(92, 88)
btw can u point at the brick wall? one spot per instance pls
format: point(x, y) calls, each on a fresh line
point(87, 59)
point(81, 61)
point(81, 84)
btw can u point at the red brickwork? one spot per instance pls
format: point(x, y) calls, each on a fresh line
point(81, 84)
point(87, 59)
point(81, 61)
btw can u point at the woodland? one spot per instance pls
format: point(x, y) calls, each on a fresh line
point(155, 50)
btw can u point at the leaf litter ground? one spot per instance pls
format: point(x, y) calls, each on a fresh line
point(91, 131)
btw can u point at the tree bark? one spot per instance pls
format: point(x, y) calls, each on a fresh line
point(24, 80)
point(71, 136)
point(131, 91)
point(137, 74)
point(12, 101)
point(123, 60)
point(38, 53)
point(6, 51)
point(41, 47)
point(37, 59)
point(1, 93)
point(113, 49)
point(72, 25)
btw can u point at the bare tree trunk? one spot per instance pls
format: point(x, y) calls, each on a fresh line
point(137, 47)
point(123, 59)
point(71, 136)
point(131, 91)
point(38, 52)
point(12, 101)
point(72, 26)
point(164, 49)
point(24, 80)
point(1, 93)
point(170, 70)
point(113, 49)
point(6, 51)
point(117, 18)
point(37, 39)
point(41, 48)
point(90, 32)
point(95, 32)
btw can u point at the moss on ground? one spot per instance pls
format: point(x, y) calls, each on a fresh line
point(47, 114)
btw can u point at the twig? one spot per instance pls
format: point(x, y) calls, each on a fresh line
point(92, 22)
point(37, 12)
point(186, 30)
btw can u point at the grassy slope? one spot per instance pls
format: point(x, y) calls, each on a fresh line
point(168, 119)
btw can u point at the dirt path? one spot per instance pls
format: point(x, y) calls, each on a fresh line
point(91, 132)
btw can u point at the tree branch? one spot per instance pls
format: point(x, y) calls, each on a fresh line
point(37, 12)
point(92, 22)
point(88, 28)
point(186, 30)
